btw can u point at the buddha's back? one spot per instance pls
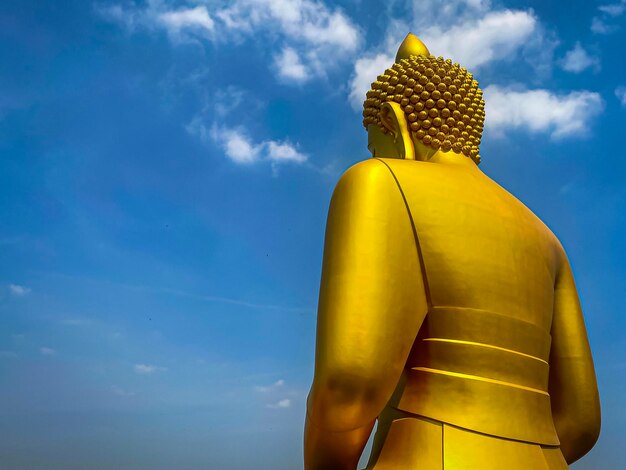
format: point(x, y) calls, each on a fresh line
point(448, 311)
point(478, 371)
point(481, 247)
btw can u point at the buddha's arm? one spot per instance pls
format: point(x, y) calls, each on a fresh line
point(573, 388)
point(372, 304)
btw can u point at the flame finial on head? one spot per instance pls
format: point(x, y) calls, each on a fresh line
point(411, 45)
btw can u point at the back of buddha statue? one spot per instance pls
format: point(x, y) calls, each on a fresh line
point(448, 312)
point(479, 364)
point(481, 247)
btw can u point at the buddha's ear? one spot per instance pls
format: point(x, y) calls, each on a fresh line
point(393, 119)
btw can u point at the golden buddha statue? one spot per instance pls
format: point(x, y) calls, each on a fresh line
point(447, 311)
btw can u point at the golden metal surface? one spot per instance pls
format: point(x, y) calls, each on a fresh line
point(447, 312)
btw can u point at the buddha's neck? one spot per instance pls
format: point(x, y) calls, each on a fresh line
point(452, 158)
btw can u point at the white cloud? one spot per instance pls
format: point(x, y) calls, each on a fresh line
point(279, 152)
point(284, 403)
point(598, 26)
point(468, 31)
point(237, 145)
point(147, 369)
point(319, 36)
point(578, 59)
point(428, 12)
point(274, 389)
point(47, 351)
point(129, 18)
point(308, 21)
point(227, 99)
point(290, 66)
point(495, 36)
point(620, 92)
point(18, 291)
point(241, 149)
point(366, 69)
point(197, 18)
point(270, 388)
point(614, 9)
point(561, 116)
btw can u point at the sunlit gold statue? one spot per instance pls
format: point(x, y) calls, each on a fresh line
point(448, 310)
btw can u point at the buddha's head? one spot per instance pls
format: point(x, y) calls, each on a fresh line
point(422, 105)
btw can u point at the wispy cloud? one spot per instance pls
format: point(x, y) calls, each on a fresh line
point(284, 403)
point(282, 152)
point(495, 36)
point(620, 92)
point(196, 20)
point(613, 9)
point(18, 290)
point(569, 187)
point(469, 32)
point(227, 300)
point(560, 115)
point(8, 354)
point(129, 18)
point(183, 293)
point(290, 66)
point(578, 59)
point(91, 326)
point(603, 23)
point(226, 100)
point(148, 369)
point(46, 351)
point(235, 142)
point(270, 388)
point(478, 35)
point(277, 392)
point(241, 149)
point(317, 35)
point(599, 26)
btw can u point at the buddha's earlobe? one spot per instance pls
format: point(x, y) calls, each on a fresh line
point(389, 119)
point(393, 119)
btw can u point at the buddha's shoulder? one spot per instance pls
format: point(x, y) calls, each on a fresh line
point(365, 169)
point(420, 177)
point(425, 170)
point(424, 177)
point(368, 187)
point(383, 170)
point(367, 174)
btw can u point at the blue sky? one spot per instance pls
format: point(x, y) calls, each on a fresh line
point(165, 173)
